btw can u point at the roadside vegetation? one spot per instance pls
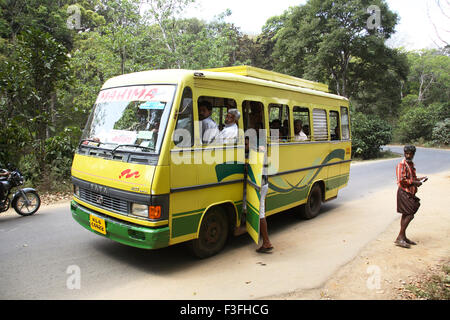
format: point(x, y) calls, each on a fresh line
point(435, 285)
point(54, 57)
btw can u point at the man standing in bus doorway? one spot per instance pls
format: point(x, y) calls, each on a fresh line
point(407, 202)
point(266, 246)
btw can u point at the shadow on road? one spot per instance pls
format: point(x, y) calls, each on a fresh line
point(178, 258)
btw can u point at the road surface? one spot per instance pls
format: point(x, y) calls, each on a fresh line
point(49, 256)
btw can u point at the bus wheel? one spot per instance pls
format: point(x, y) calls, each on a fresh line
point(213, 234)
point(312, 207)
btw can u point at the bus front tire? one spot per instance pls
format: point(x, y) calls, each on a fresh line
point(311, 208)
point(213, 234)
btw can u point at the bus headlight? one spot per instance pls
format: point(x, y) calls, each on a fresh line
point(76, 190)
point(140, 210)
point(149, 212)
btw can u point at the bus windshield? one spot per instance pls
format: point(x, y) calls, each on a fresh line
point(132, 117)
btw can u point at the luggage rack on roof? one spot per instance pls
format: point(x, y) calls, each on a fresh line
point(258, 73)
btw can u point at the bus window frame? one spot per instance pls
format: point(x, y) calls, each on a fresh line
point(246, 112)
point(213, 100)
point(192, 125)
point(348, 127)
point(282, 108)
point(337, 117)
point(302, 109)
point(325, 115)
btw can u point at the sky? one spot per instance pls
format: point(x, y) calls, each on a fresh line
point(422, 23)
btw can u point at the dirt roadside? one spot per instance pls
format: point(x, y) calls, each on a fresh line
point(383, 271)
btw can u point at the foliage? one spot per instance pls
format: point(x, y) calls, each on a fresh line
point(419, 121)
point(425, 106)
point(12, 139)
point(29, 167)
point(368, 135)
point(414, 124)
point(441, 132)
point(62, 146)
point(429, 78)
point(322, 40)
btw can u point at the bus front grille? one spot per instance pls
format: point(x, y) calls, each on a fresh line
point(104, 202)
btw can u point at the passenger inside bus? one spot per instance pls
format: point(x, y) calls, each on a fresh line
point(253, 121)
point(306, 129)
point(256, 119)
point(275, 127)
point(299, 133)
point(230, 133)
point(209, 127)
point(336, 135)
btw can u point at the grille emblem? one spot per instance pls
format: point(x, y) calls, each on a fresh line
point(99, 200)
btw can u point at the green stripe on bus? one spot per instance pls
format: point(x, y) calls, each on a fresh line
point(185, 225)
point(336, 182)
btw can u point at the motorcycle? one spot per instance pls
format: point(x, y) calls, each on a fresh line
point(25, 201)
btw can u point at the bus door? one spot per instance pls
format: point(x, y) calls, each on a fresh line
point(253, 114)
point(254, 169)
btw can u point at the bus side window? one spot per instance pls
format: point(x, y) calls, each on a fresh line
point(184, 130)
point(301, 118)
point(345, 124)
point(279, 122)
point(335, 128)
point(320, 125)
point(217, 115)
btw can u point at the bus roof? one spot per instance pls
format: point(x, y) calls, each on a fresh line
point(243, 74)
point(258, 73)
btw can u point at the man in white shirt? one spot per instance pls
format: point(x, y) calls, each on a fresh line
point(208, 126)
point(299, 134)
point(229, 134)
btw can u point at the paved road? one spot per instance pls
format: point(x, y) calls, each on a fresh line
point(379, 174)
point(40, 255)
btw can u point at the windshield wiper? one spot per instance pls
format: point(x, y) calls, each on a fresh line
point(144, 149)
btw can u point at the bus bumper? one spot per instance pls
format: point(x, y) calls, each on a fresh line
point(123, 232)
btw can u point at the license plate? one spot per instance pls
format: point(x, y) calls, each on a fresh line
point(97, 224)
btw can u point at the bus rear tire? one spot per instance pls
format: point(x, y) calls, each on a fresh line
point(311, 208)
point(213, 234)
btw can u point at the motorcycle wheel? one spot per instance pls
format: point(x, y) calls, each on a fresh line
point(21, 207)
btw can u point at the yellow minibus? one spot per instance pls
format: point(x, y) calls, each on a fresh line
point(145, 176)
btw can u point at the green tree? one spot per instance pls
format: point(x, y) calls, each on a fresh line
point(29, 81)
point(429, 78)
point(164, 14)
point(425, 106)
point(369, 133)
point(331, 41)
point(34, 47)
